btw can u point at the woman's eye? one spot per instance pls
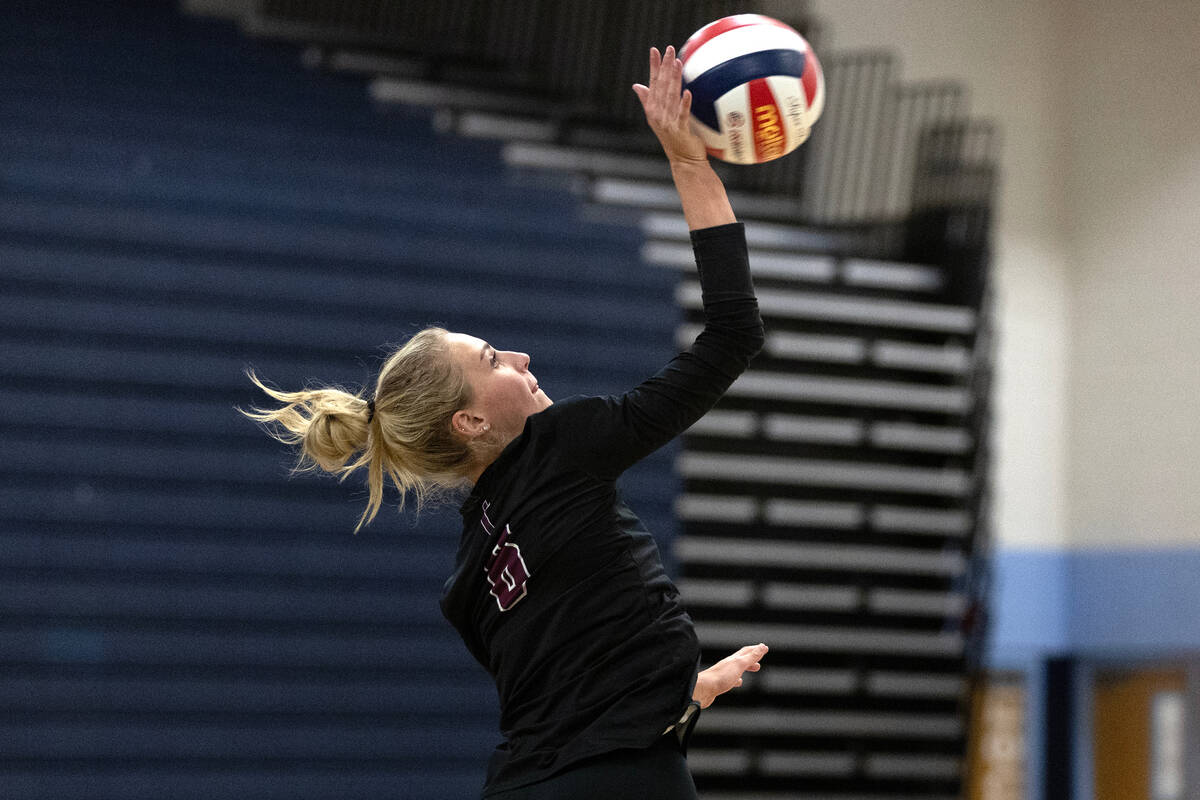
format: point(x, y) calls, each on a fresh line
point(495, 361)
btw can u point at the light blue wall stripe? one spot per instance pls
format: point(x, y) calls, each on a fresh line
point(1136, 603)
point(1103, 604)
point(1028, 607)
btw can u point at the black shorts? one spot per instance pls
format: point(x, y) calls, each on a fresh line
point(659, 772)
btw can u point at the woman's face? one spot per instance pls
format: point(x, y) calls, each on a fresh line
point(503, 390)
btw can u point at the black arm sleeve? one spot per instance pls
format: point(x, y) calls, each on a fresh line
point(607, 435)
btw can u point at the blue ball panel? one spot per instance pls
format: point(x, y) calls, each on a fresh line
point(708, 87)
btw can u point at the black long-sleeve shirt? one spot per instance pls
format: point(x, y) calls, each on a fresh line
point(558, 589)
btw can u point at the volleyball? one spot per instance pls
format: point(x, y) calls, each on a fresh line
point(756, 86)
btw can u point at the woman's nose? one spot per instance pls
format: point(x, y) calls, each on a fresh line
point(519, 360)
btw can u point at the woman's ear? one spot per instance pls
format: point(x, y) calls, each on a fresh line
point(465, 423)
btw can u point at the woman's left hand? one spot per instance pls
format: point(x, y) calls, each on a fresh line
point(668, 111)
point(727, 674)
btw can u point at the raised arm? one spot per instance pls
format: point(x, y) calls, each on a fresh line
point(605, 436)
point(701, 193)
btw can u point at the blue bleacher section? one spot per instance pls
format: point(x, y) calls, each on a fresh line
point(178, 617)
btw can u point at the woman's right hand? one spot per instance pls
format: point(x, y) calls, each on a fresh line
point(668, 112)
point(727, 673)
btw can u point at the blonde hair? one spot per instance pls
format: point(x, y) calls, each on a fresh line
point(409, 438)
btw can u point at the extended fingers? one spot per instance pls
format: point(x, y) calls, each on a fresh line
point(685, 104)
point(670, 76)
point(758, 650)
point(664, 69)
point(658, 62)
point(668, 109)
point(655, 64)
point(748, 657)
point(649, 94)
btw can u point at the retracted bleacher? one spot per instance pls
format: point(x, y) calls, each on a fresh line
point(829, 509)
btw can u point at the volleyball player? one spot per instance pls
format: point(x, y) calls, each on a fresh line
point(558, 590)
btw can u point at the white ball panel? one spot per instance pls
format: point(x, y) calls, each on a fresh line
point(737, 133)
point(818, 103)
point(789, 96)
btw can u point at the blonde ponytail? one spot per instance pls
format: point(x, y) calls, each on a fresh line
point(329, 425)
point(408, 438)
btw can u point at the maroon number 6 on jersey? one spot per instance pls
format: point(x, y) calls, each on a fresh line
point(506, 572)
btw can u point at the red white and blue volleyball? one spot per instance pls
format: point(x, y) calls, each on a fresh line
point(756, 86)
